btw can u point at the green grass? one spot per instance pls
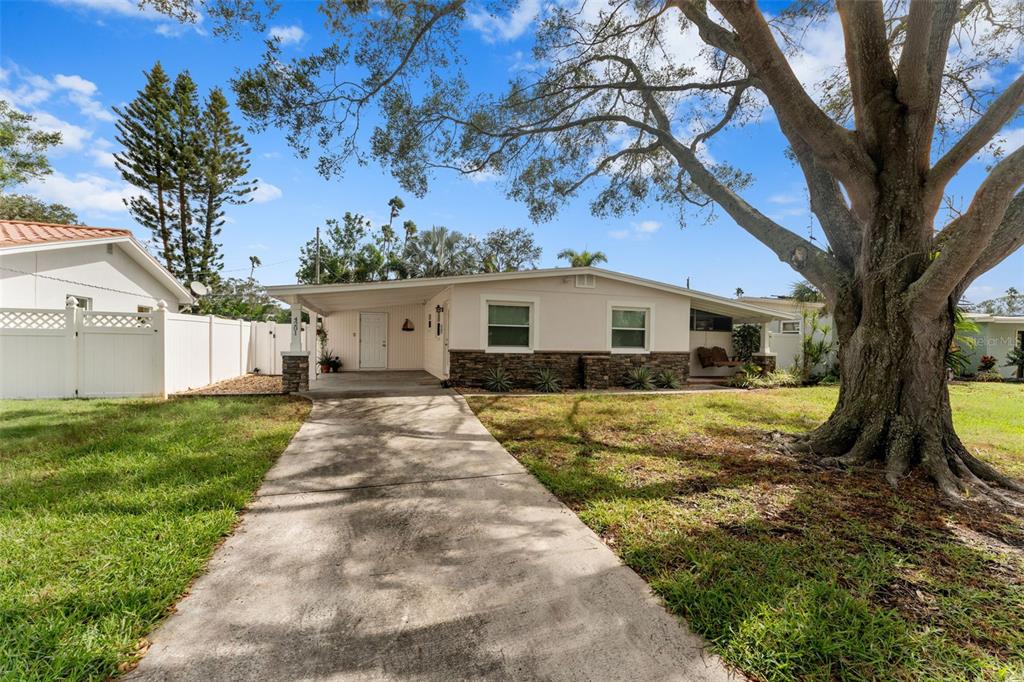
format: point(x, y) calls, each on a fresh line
point(109, 509)
point(791, 571)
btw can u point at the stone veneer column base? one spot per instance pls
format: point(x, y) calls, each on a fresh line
point(575, 369)
point(767, 362)
point(295, 371)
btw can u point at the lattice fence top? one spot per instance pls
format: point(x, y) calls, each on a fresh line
point(96, 320)
point(32, 319)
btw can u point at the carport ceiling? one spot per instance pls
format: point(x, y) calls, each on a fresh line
point(338, 301)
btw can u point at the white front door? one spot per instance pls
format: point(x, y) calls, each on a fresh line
point(373, 340)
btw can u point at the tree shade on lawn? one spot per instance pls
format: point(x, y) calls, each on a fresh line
point(612, 102)
point(108, 510)
point(791, 570)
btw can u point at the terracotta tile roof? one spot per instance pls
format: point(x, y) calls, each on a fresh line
point(22, 232)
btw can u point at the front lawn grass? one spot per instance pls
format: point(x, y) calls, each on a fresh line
point(792, 571)
point(109, 509)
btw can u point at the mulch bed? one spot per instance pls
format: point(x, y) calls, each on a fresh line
point(250, 384)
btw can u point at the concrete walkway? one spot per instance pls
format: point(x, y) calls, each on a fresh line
point(395, 539)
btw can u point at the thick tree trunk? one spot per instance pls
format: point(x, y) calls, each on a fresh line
point(894, 404)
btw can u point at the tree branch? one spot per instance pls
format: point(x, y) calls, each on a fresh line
point(832, 145)
point(1004, 108)
point(872, 81)
point(962, 242)
point(1008, 237)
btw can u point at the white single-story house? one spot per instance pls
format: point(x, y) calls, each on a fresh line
point(106, 269)
point(997, 336)
point(587, 324)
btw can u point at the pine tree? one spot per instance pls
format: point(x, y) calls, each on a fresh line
point(143, 130)
point(223, 162)
point(186, 144)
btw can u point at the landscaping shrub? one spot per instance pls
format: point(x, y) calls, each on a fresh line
point(639, 379)
point(1015, 358)
point(753, 377)
point(497, 379)
point(987, 363)
point(667, 379)
point(988, 376)
point(746, 340)
point(547, 381)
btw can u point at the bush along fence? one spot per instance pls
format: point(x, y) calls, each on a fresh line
point(75, 353)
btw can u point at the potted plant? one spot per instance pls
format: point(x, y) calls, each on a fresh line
point(335, 363)
point(326, 361)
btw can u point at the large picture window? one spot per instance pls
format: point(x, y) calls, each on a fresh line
point(701, 321)
point(629, 328)
point(508, 325)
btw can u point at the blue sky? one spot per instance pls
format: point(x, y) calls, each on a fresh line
point(68, 62)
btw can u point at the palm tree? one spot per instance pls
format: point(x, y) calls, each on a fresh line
point(804, 292)
point(439, 252)
point(582, 259)
point(254, 262)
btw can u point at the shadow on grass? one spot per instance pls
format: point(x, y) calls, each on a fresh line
point(793, 571)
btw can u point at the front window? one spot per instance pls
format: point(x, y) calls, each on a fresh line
point(790, 327)
point(702, 321)
point(508, 325)
point(629, 328)
point(82, 302)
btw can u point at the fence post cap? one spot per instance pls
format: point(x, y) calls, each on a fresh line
point(70, 302)
point(161, 304)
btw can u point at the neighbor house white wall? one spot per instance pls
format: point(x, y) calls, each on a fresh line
point(113, 281)
point(405, 349)
point(569, 318)
point(997, 339)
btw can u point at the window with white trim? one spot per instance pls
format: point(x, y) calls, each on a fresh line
point(508, 325)
point(791, 327)
point(629, 328)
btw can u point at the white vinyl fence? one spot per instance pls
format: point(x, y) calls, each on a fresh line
point(82, 353)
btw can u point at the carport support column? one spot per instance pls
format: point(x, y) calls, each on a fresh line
point(295, 361)
point(765, 358)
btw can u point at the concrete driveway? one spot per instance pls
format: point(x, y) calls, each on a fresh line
point(395, 539)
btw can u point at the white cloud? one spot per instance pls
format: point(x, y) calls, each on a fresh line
point(131, 9)
point(86, 192)
point(486, 175)
point(647, 226)
point(265, 192)
point(101, 154)
point(1008, 141)
point(638, 230)
point(503, 28)
point(784, 199)
point(72, 137)
point(32, 90)
point(287, 35)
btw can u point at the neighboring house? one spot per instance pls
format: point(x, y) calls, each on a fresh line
point(787, 334)
point(105, 269)
point(997, 336)
point(589, 325)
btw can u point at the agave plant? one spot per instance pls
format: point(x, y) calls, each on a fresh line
point(639, 379)
point(667, 379)
point(547, 381)
point(497, 379)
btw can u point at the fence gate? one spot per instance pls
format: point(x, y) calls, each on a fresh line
point(115, 353)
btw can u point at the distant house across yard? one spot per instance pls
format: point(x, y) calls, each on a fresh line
point(997, 336)
point(105, 269)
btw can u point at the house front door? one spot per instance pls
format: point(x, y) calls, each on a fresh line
point(373, 340)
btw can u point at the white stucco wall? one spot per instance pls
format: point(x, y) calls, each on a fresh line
point(568, 318)
point(997, 339)
point(405, 349)
point(113, 281)
point(433, 344)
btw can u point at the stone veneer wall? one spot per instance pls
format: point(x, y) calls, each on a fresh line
point(575, 369)
point(295, 372)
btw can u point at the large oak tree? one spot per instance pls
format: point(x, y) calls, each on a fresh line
point(625, 94)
